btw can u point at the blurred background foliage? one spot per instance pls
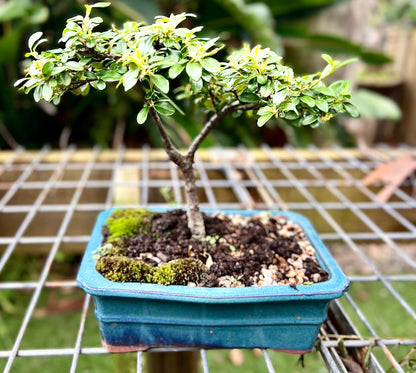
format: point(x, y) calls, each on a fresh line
point(108, 118)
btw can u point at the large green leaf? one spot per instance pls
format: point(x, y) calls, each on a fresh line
point(211, 64)
point(249, 97)
point(160, 82)
point(165, 108)
point(298, 7)
point(371, 104)
point(301, 38)
point(175, 70)
point(194, 70)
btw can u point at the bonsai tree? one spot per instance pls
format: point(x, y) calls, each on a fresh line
point(155, 58)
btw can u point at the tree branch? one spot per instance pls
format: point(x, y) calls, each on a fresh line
point(79, 83)
point(213, 121)
point(98, 55)
point(173, 153)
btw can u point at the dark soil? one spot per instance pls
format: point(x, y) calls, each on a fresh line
point(261, 250)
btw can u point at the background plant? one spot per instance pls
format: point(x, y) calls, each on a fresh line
point(79, 120)
point(152, 58)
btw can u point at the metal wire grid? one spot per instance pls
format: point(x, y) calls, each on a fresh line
point(318, 183)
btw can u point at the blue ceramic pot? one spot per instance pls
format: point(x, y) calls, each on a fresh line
point(134, 316)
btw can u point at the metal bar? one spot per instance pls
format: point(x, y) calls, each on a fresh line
point(55, 352)
point(268, 361)
point(116, 166)
point(25, 174)
point(388, 354)
point(345, 238)
point(48, 263)
point(351, 244)
point(363, 217)
point(244, 173)
point(176, 184)
point(206, 184)
point(204, 361)
point(230, 174)
point(31, 213)
point(264, 182)
point(139, 367)
point(77, 350)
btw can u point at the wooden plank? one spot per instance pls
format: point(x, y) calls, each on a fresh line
point(127, 194)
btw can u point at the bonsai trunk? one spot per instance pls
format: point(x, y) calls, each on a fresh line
point(195, 219)
point(185, 162)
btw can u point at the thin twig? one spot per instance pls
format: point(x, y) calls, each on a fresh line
point(7, 136)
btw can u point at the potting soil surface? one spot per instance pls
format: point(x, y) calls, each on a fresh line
point(237, 251)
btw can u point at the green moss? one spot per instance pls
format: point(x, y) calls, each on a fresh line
point(127, 223)
point(109, 249)
point(164, 275)
point(119, 268)
point(123, 269)
point(179, 272)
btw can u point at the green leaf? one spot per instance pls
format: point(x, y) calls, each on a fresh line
point(308, 101)
point(196, 85)
point(328, 59)
point(99, 84)
point(263, 110)
point(90, 43)
point(322, 105)
point(249, 97)
point(37, 93)
point(211, 64)
point(66, 78)
point(279, 96)
point(84, 89)
point(142, 115)
point(164, 107)
point(264, 119)
point(262, 79)
point(73, 65)
point(110, 76)
point(100, 5)
point(20, 81)
point(47, 69)
point(291, 115)
point(351, 110)
point(328, 70)
point(175, 70)
point(326, 91)
point(267, 89)
point(371, 104)
point(57, 69)
point(194, 70)
point(160, 82)
point(34, 38)
point(309, 119)
point(47, 92)
point(341, 64)
point(130, 79)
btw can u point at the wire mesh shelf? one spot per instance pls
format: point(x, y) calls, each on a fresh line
point(48, 204)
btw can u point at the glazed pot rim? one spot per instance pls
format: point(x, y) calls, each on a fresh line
point(95, 284)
